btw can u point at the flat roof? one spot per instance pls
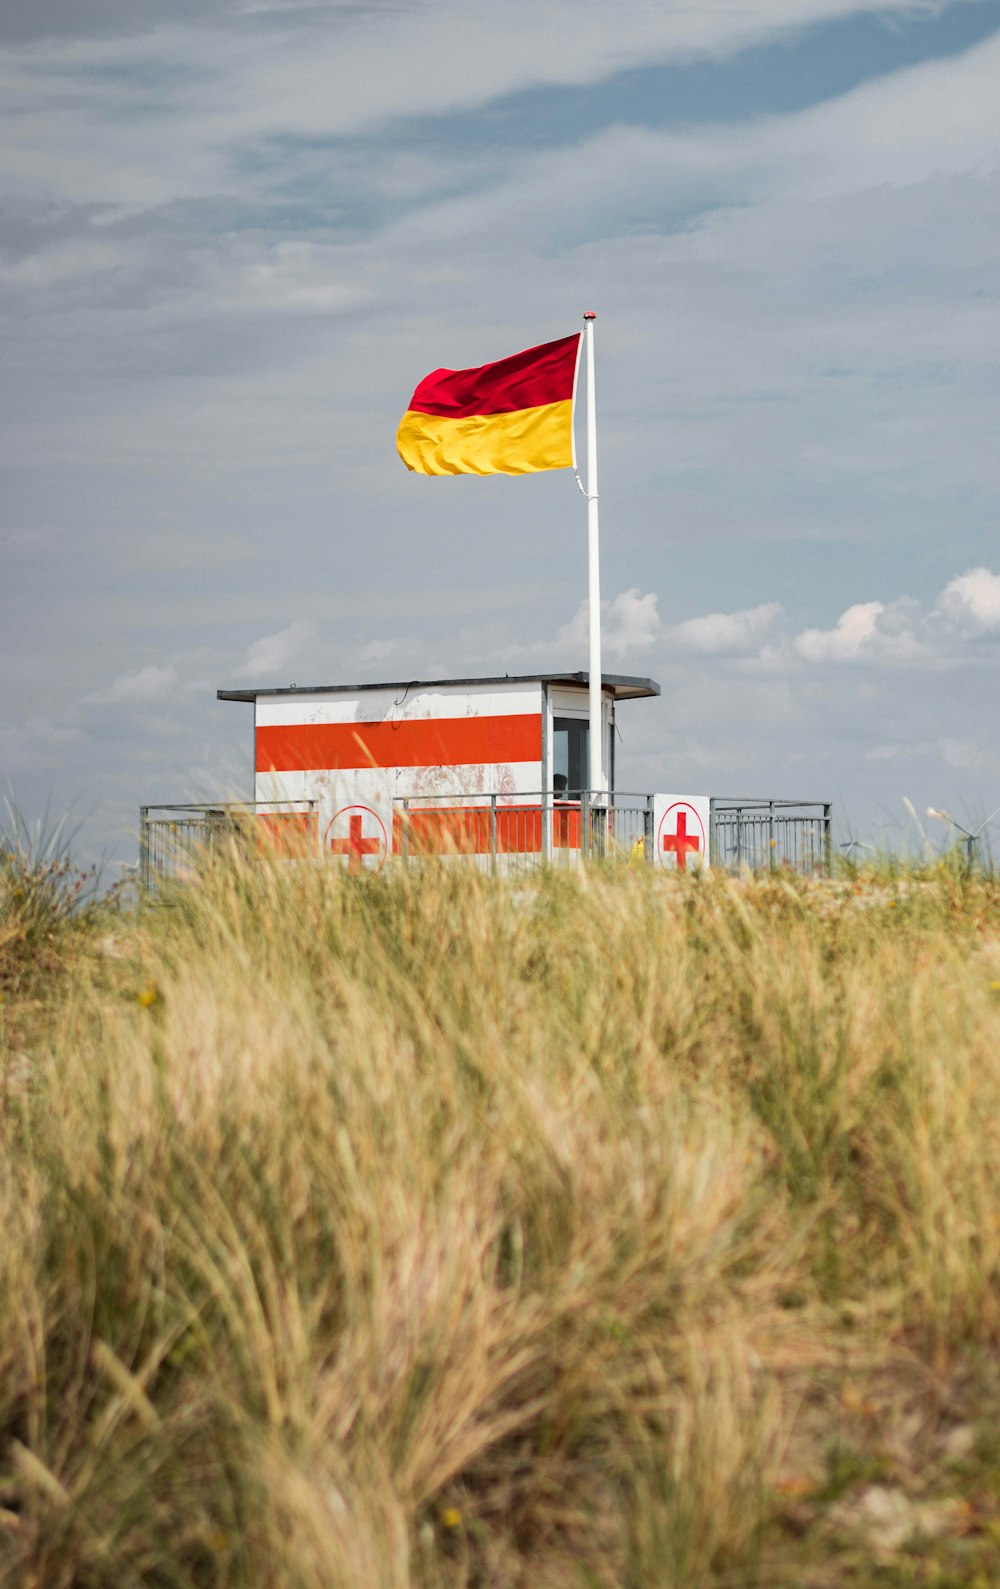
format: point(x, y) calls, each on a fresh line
point(621, 686)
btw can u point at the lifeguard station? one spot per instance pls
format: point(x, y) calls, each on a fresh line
point(489, 767)
point(490, 770)
point(502, 771)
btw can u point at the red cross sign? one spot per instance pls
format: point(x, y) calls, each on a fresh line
point(681, 833)
point(354, 843)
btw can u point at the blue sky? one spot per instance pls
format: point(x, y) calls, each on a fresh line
point(235, 235)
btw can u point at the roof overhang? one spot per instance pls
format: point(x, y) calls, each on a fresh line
point(620, 686)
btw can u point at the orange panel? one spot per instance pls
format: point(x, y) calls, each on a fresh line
point(420, 742)
point(465, 830)
point(287, 832)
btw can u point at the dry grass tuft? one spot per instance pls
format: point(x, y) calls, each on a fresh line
point(432, 1232)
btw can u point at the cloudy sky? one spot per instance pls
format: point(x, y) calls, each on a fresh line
point(236, 233)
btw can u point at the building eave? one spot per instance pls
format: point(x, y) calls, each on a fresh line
point(620, 686)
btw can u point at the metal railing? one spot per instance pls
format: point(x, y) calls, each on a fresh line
point(506, 831)
point(502, 833)
point(499, 833)
point(175, 840)
point(754, 835)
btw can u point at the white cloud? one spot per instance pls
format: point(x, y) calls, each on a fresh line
point(629, 622)
point(969, 755)
point(854, 630)
point(151, 683)
point(900, 631)
point(798, 319)
point(33, 739)
point(904, 631)
point(384, 650)
point(897, 132)
point(972, 600)
point(934, 118)
point(275, 651)
point(294, 275)
point(338, 72)
point(719, 633)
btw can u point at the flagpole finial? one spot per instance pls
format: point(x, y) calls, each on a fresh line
point(589, 315)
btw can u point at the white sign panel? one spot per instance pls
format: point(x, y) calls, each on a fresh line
point(358, 834)
point(680, 831)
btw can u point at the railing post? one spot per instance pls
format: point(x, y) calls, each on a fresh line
point(648, 836)
point(144, 847)
point(772, 843)
point(599, 827)
point(739, 837)
point(493, 834)
point(828, 840)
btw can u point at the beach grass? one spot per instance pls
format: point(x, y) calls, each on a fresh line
point(428, 1230)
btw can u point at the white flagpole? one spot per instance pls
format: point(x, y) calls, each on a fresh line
point(597, 789)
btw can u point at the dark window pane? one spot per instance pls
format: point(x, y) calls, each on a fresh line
point(570, 757)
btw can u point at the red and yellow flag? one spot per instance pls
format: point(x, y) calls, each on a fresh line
point(511, 417)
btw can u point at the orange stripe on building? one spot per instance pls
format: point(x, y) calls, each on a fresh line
point(477, 830)
point(418, 742)
point(287, 832)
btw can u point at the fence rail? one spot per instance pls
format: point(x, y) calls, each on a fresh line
point(746, 834)
point(500, 833)
point(175, 840)
point(504, 832)
point(755, 834)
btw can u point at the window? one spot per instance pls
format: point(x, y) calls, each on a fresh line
point(570, 756)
